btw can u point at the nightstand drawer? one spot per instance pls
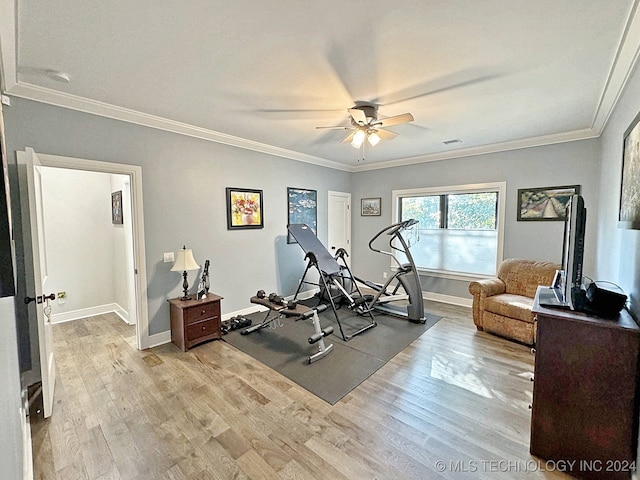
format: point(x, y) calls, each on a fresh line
point(200, 312)
point(204, 328)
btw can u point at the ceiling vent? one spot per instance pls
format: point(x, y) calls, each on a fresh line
point(449, 142)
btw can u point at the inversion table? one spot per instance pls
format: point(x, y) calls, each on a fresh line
point(333, 277)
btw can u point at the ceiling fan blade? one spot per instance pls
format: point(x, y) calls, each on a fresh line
point(336, 127)
point(358, 116)
point(349, 137)
point(395, 120)
point(386, 134)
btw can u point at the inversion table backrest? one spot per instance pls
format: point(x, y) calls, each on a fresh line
point(310, 244)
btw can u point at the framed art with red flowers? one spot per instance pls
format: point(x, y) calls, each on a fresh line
point(244, 209)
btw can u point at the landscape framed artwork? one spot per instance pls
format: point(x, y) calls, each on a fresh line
point(545, 203)
point(629, 211)
point(370, 207)
point(302, 207)
point(244, 209)
point(116, 208)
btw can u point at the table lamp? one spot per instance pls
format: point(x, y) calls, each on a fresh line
point(185, 262)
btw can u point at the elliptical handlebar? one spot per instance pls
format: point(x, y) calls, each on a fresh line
point(393, 229)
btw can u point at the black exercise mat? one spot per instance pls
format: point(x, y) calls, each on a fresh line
point(286, 349)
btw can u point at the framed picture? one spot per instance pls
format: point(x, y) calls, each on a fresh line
point(244, 209)
point(302, 208)
point(370, 207)
point(544, 204)
point(629, 213)
point(116, 207)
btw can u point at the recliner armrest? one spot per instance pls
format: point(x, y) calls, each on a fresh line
point(488, 287)
point(481, 289)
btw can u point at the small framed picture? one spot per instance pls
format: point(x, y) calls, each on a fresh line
point(544, 204)
point(244, 209)
point(116, 207)
point(370, 207)
point(303, 208)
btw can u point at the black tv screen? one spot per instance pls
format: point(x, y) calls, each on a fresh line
point(573, 252)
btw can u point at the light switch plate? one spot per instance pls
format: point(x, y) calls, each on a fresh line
point(168, 257)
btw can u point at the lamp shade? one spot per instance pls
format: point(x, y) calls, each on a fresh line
point(184, 261)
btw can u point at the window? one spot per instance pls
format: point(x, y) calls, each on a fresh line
point(461, 227)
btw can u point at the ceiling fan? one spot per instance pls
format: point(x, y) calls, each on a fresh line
point(366, 126)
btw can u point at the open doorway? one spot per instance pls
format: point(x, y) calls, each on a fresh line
point(93, 220)
point(89, 243)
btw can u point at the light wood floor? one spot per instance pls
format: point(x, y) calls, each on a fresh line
point(454, 404)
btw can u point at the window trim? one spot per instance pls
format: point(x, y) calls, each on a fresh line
point(500, 187)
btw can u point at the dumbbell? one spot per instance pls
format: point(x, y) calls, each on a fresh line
point(292, 304)
point(261, 294)
point(275, 298)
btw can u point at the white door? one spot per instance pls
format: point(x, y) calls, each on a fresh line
point(33, 226)
point(339, 222)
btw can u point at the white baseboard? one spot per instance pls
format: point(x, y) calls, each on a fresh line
point(88, 312)
point(123, 314)
point(157, 339)
point(450, 299)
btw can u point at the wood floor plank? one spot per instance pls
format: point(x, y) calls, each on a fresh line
point(455, 395)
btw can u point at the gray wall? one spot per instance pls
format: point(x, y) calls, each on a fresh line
point(562, 164)
point(618, 257)
point(184, 182)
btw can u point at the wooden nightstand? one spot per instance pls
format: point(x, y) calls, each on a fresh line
point(195, 321)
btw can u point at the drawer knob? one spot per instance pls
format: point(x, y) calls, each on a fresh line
point(204, 328)
point(203, 312)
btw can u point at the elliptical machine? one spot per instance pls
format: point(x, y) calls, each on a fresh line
point(406, 275)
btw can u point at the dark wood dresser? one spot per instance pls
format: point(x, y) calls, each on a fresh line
point(195, 321)
point(585, 394)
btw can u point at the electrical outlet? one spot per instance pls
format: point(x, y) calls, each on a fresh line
point(384, 274)
point(168, 257)
point(62, 297)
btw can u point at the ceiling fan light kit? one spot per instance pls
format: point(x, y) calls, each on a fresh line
point(366, 126)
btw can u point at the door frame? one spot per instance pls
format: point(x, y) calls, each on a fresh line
point(134, 172)
point(347, 195)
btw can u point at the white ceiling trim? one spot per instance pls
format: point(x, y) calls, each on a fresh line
point(73, 102)
point(584, 134)
point(621, 69)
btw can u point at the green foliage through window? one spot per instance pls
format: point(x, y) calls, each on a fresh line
point(460, 211)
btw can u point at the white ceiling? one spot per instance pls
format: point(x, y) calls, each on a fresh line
point(495, 74)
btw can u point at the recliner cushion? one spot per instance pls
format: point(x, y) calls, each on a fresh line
point(509, 305)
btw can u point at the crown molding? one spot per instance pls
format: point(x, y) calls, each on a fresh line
point(485, 149)
point(622, 67)
point(94, 107)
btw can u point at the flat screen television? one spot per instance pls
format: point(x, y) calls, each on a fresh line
point(573, 252)
point(567, 290)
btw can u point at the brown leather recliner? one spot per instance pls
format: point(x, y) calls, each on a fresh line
point(502, 305)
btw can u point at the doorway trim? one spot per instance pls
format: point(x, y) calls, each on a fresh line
point(134, 172)
point(346, 196)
